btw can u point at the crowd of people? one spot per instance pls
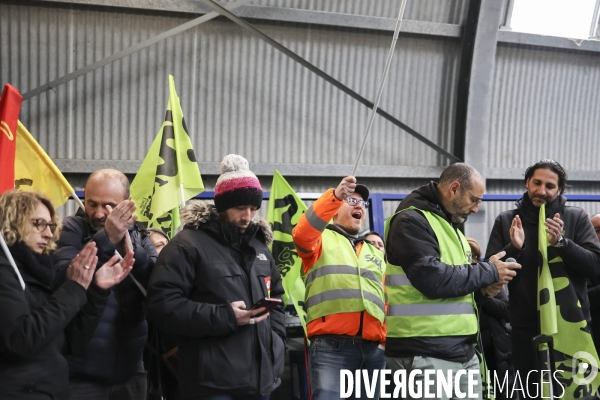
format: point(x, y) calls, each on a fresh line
point(421, 297)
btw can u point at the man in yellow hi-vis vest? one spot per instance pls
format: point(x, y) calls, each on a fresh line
point(431, 318)
point(344, 297)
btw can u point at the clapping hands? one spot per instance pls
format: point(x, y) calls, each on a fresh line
point(114, 271)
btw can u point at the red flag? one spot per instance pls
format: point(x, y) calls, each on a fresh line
point(10, 106)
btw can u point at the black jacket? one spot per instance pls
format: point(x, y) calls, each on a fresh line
point(200, 272)
point(114, 351)
point(580, 254)
point(495, 340)
point(411, 243)
point(593, 292)
point(32, 322)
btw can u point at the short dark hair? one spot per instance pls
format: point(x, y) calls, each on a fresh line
point(374, 233)
point(459, 172)
point(553, 166)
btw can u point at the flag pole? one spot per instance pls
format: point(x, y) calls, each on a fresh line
point(182, 195)
point(177, 159)
point(381, 83)
point(11, 260)
point(77, 200)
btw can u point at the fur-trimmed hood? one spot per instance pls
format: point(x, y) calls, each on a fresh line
point(199, 212)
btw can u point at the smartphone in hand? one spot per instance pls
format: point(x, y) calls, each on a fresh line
point(268, 302)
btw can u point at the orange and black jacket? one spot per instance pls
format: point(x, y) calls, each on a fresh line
point(307, 239)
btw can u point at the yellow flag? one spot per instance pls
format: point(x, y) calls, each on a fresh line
point(285, 209)
point(546, 297)
point(169, 165)
point(561, 316)
point(35, 171)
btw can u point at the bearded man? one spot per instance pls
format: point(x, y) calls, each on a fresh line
point(430, 281)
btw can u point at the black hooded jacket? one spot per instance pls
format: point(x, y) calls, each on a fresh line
point(207, 266)
point(412, 244)
point(580, 254)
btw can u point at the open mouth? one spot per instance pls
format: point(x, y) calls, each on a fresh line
point(357, 215)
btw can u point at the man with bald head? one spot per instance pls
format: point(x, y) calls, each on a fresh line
point(430, 281)
point(107, 363)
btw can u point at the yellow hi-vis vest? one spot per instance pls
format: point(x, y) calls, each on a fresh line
point(410, 313)
point(340, 281)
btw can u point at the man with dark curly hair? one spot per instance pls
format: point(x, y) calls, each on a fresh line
point(572, 244)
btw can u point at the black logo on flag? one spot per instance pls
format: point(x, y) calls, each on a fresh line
point(284, 252)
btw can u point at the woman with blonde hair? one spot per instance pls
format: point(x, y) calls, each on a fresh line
point(33, 319)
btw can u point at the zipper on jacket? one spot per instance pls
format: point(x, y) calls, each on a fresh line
point(246, 276)
point(459, 241)
point(362, 313)
point(360, 327)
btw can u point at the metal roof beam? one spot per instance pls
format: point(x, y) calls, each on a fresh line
point(520, 38)
point(328, 78)
point(283, 14)
point(72, 166)
point(450, 31)
point(286, 169)
point(476, 81)
point(125, 52)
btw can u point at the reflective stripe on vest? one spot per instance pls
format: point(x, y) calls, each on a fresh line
point(341, 282)
point(339, 294)
point(314, 220)
point(396, 280)
point(410, 313)
point(430, 309)
point(340, 269)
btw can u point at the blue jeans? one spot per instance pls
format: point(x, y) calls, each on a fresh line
point(328, 355)
point(435, 364)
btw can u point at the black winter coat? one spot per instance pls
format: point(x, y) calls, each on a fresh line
point(114, 352)
point(32, 323)
point(412, 244)
point(495, 339)
point(200, 272)
point(593, 292)
point(580, 254)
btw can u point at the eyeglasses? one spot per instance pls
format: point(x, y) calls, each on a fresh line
point(474, 199)
point(41, 224)
point(353, 202)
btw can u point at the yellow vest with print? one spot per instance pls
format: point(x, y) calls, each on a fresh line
point(340, 281)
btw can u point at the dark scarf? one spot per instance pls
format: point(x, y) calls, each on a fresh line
point(530, 213)
point(38, 266)
point(353, 238)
